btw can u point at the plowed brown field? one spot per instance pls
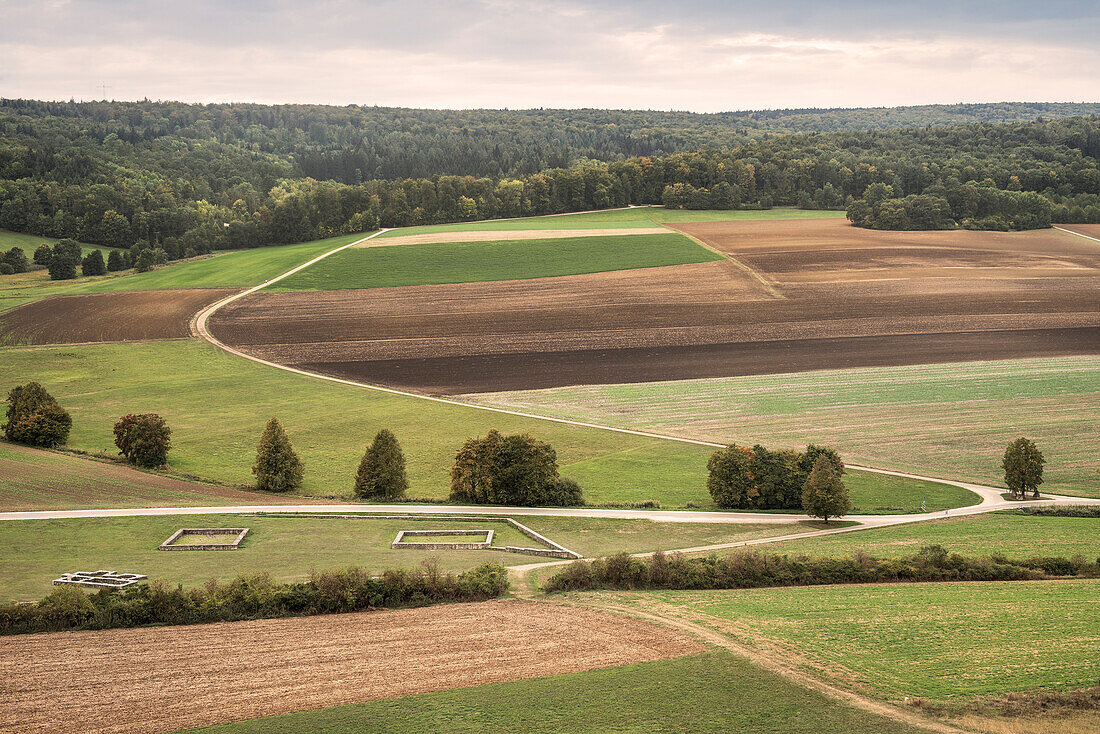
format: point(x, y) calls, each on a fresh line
point(107, 317)
point(800, 295)
point(168, 678)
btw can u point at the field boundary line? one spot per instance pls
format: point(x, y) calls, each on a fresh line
point(759, 277)
point(1070, 231)
point(780, 667)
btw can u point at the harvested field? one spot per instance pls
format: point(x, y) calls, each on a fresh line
point(107, 317)
point(163, 679)
point(813, 294)
point(506, 234)
point(31, 479)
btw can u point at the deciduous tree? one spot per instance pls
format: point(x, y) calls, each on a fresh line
point(824, 494)
point(144, 439)
point(1023, 465)
point(35, 418)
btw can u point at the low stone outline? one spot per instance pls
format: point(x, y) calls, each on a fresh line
point(399, 541)
point(239, 532)
point(556, 550)
point(99, 579)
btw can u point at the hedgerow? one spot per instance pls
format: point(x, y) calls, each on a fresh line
point(252, 597)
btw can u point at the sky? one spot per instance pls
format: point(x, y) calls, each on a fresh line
point(697, 55)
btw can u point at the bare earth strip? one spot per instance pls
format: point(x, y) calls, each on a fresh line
point(107, 317)
point(163, 679)
point(503, 235)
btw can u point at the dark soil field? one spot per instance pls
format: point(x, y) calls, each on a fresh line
point(798, 295)
point(107, 317)
point(166, 678)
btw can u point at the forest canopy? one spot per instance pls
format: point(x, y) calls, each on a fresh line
point(192, 178)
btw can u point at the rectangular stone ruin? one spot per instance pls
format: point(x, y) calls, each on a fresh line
point(233, 544)
point(485, 544)
point(99, 579)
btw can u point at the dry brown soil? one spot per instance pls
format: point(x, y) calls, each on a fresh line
point(107, 317)
point(1089, 230)
point(31, 479)
point(799, 295)
point(168, 678)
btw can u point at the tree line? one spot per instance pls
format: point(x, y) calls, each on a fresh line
point(189, 179)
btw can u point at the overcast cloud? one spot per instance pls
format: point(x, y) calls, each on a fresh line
point(700, 55)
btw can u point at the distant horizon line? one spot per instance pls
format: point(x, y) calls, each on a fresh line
point(746, 110)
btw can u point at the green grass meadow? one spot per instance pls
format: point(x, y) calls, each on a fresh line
point(288, 547)
point(217, 405)
point(935, 640)
point(713, 692)
point(948, 420)
point(472, 262)
point(1014, 536)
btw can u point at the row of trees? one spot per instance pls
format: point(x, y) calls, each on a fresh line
point(195, 185)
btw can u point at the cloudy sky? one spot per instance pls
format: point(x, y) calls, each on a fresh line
point(696, 55)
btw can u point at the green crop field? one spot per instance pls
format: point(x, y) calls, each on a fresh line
point(217, 405)
point(1012, 535)
point(936, 640)
point(37, 551)
point(947, 420)
point(711, 692)
point(640, 216)
point(471, 262)
point(236, 269)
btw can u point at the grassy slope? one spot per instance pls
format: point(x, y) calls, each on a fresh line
point(950, 420)
point(39, 481)
point(36, 551)
point(472, 262)
point(634, 217)
point(712, 692)
point(939, 640)
point(241, 268)
point(1015, 536)
point(30, 243)
point(217, 405)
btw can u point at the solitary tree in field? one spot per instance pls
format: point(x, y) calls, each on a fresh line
point(1023, 465)
point(42, 254)
point(35, 418)
point(824, 494)
point(277, 467)
point(144, 439)
point(64, 260)
point(381, 473)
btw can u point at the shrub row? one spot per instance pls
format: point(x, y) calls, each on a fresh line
point(1066, 511)
point(252, 597)
point(745, 569)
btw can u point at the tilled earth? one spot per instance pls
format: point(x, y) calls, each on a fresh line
point(794, 296)
point(167, 678)
point(107, 317)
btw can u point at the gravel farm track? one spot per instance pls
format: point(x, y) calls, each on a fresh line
point(168, 678)
point(792, 296)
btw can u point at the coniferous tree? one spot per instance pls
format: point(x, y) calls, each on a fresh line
point(115, 261)
point(381, 473)
point(277, 467)
point(42, 254)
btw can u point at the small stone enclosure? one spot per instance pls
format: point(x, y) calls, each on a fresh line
point(236, 535)
point(401, 541)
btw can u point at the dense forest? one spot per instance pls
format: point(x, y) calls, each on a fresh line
point(191, 178)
